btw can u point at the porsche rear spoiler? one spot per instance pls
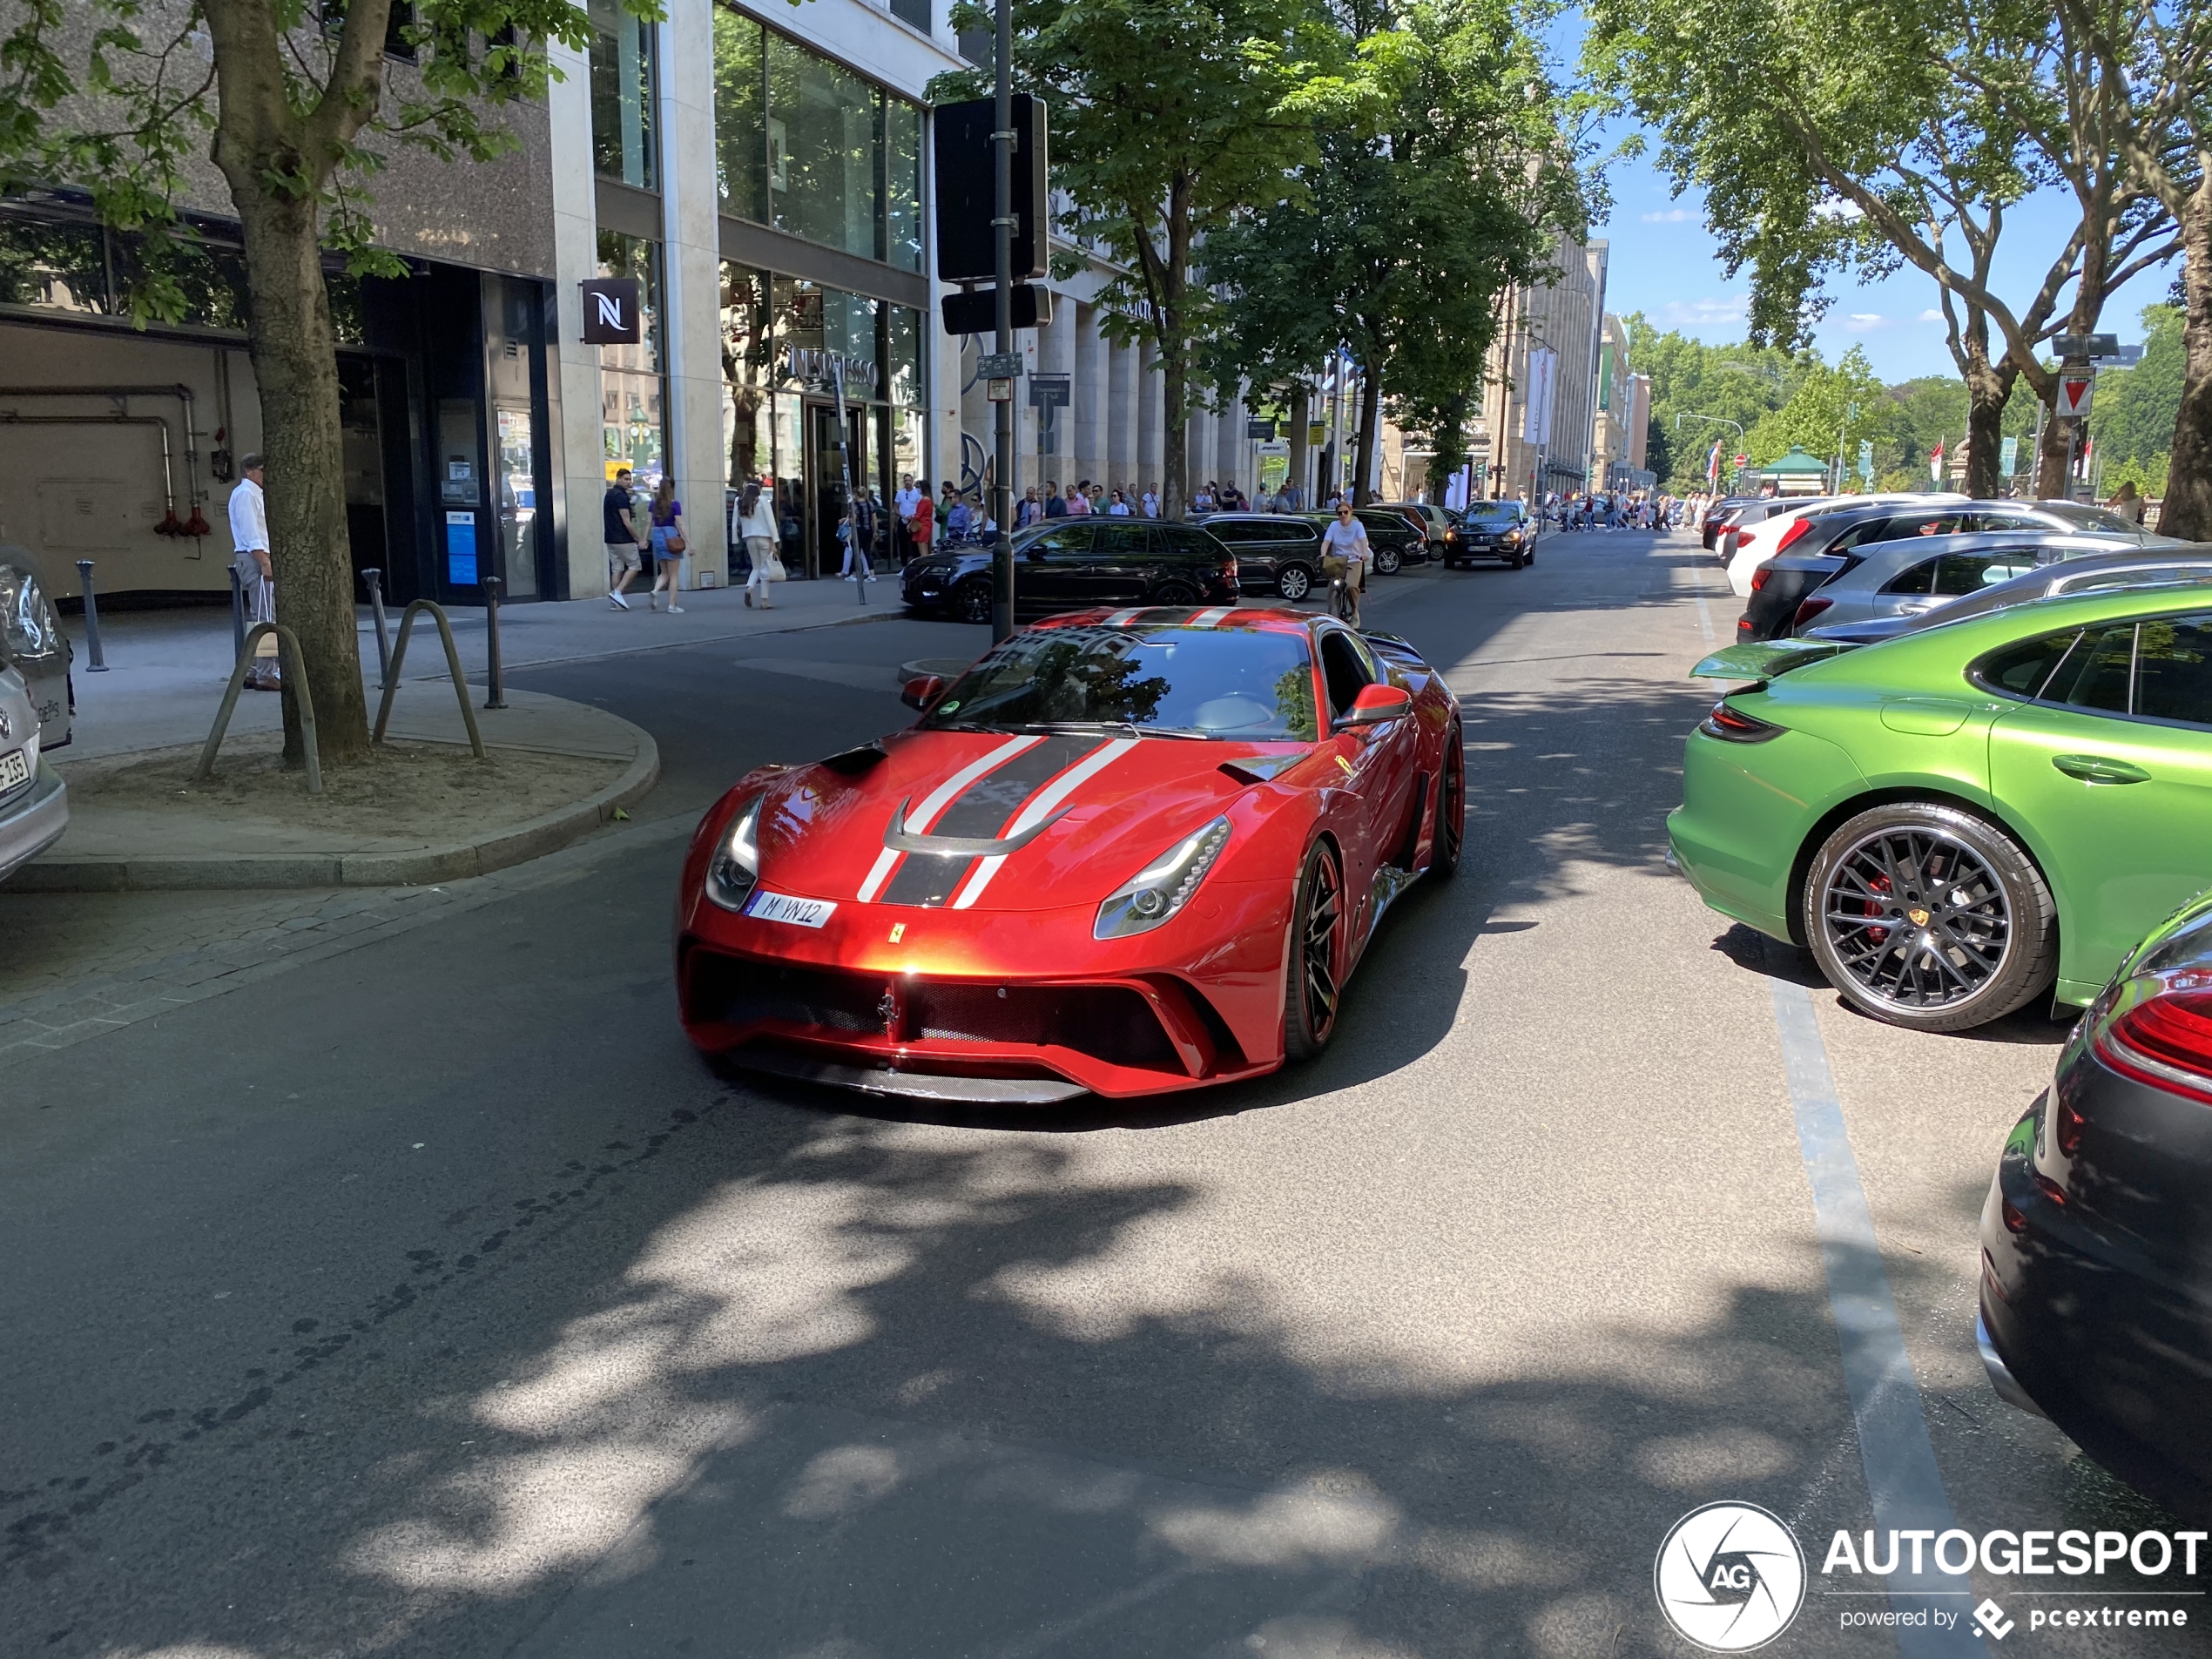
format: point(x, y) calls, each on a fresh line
point(1766, 659)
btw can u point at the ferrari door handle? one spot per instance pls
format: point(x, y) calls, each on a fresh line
point(2096, 769)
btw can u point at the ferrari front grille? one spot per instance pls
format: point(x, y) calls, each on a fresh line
point(744, 991)
point(1109, 1022)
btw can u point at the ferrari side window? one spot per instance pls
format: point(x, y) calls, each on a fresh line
point(2025, 669)
point(1341, 667)
point(2098, 673)
point(2174, 670)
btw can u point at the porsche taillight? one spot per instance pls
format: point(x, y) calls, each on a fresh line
point(2159, 1032)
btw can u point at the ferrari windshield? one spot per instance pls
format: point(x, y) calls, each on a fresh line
point(1238, 683)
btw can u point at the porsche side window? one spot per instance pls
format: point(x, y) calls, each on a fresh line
point(1341, 667)
point(2174, 670)
point(2098, 674)
point(2025, 669)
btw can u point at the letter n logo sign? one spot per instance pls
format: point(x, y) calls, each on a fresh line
point(610, 312)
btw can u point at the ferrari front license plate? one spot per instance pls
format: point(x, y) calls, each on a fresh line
point(14, 771)
point(800, 912)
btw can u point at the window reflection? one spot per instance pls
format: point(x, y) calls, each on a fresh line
point(630, 376)
point(622, 95)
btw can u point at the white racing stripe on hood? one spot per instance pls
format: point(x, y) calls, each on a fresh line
point(1212, 618)
point(1041, 805)
point(920, 820)
point(1122, 618)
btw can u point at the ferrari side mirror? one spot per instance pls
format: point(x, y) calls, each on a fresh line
point(920, 693)
point(1377, 704)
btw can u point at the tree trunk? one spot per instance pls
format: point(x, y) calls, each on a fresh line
point(1296, 478)
point(1175, 363)
point(2050, 461)
point(2187, 511)
point(1986, 395)
point(1370, 434)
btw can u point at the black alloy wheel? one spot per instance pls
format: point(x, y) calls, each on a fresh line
point(1174, 593)
point(1450, 830)
point(1311, 992)
point(1385, 561)
point(1528, 552)
point(1929, 917)
point(972, 600)
point(1293, 581)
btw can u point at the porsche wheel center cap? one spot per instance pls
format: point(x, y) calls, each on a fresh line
point(1919, 918)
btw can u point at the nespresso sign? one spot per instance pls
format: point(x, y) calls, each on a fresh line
point(610, 312)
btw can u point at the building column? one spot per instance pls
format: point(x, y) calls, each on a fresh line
point(1086, 448)
point(578, 448)
point(691, 268)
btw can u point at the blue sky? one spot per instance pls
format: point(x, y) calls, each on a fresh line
point(1662, 263)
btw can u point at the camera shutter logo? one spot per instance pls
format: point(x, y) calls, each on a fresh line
point(1730, 1577)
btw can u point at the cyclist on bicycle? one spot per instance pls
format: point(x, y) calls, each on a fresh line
point(1343, 558)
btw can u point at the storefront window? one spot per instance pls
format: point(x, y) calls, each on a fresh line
point(740, 102)
point(630, 376)
point(622, 95)
point(748, 374)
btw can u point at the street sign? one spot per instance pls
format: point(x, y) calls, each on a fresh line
point(2074, 395)
point(1742, 461)
point(610, 311)
point(1264, 430)
point(1316, 435)
point(1866, 460)
point(2080, 348)
point(1050, 391)
point(998, 391)
point(2008, 457)
point(1000, 366)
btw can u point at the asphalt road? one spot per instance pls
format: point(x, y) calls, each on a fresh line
point(433, 1298)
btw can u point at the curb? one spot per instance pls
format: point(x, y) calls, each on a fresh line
point(421, 867)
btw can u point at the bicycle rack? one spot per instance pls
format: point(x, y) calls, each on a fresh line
point(288, 653)
point(453, 662)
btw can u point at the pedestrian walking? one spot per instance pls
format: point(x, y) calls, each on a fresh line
point(856, 529)
point(624, 538)
point(757, 524)
point(669, 545)
point(256, 576)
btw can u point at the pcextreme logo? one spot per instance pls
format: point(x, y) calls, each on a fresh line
point(1730, 1577)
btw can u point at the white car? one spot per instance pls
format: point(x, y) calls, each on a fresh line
point(34, 806)
point(1928, 516)
point(1755, 543)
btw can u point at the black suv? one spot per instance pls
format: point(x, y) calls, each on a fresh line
point(1490, 529)
point(1276, 553)
point(1396, 535)
point(1069, 563)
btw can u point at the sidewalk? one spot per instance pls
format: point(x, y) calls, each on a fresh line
point(166, 669)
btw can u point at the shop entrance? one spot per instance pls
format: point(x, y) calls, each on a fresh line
point(827, 477)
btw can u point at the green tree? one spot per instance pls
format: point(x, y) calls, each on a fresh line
point(1830, 412)
point(1696, 387)
point(2133, 413)
point(1419, 207)
point(122, 100)
point(1828, 134)
point(1167, 117)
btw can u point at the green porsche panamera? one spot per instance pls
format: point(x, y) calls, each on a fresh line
point(1958, 819)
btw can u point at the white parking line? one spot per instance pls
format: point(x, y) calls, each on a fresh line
point(1902, 1480)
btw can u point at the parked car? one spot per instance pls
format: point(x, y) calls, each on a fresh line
point(1717, 513)
point(1490, 529)
point(1066, 564)
point(31, 642)
point(1888, 578)
point(2092, 573)
point(2096, 1271)
point(1276, 553)
point(1396, 538)
point(1433, 521)
point(1122, 853)
point(1959, 820)
point(1840, 527)
point(34, 804)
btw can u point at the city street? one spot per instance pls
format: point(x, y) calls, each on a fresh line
point(414, 1288)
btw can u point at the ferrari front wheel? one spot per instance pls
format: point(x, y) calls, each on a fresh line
point(1310, 990)
point(1929, 917)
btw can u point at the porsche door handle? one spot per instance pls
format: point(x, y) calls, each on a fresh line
point(2096, 769)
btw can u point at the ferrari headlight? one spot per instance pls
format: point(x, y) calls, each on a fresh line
point(1154, 894)
point(736, 864)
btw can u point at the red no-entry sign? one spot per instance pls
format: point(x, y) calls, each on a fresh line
point(2073, 394)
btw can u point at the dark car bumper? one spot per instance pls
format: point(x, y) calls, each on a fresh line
point(2107, 1340)
point(1481, 547)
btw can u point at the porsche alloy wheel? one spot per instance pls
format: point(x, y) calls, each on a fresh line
point(1312, 991)
point(972, 600)
point(1450, 809)
point(1294, 583)
point(1929, 917)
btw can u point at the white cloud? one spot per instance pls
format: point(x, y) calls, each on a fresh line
point(1930, 315)
point(1707, 313)
point(1862, 322)
point(1670, 216)
point(1842, 210)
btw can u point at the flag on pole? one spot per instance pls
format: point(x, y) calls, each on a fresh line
point(1713, 466)
point(1935, 463)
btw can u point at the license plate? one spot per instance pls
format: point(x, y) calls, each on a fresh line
point(15, 771)
point(781, 907)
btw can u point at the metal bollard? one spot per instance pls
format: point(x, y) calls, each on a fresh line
point(498, 698)
point(91, 618)
point(375, 580)
point(237, 616)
